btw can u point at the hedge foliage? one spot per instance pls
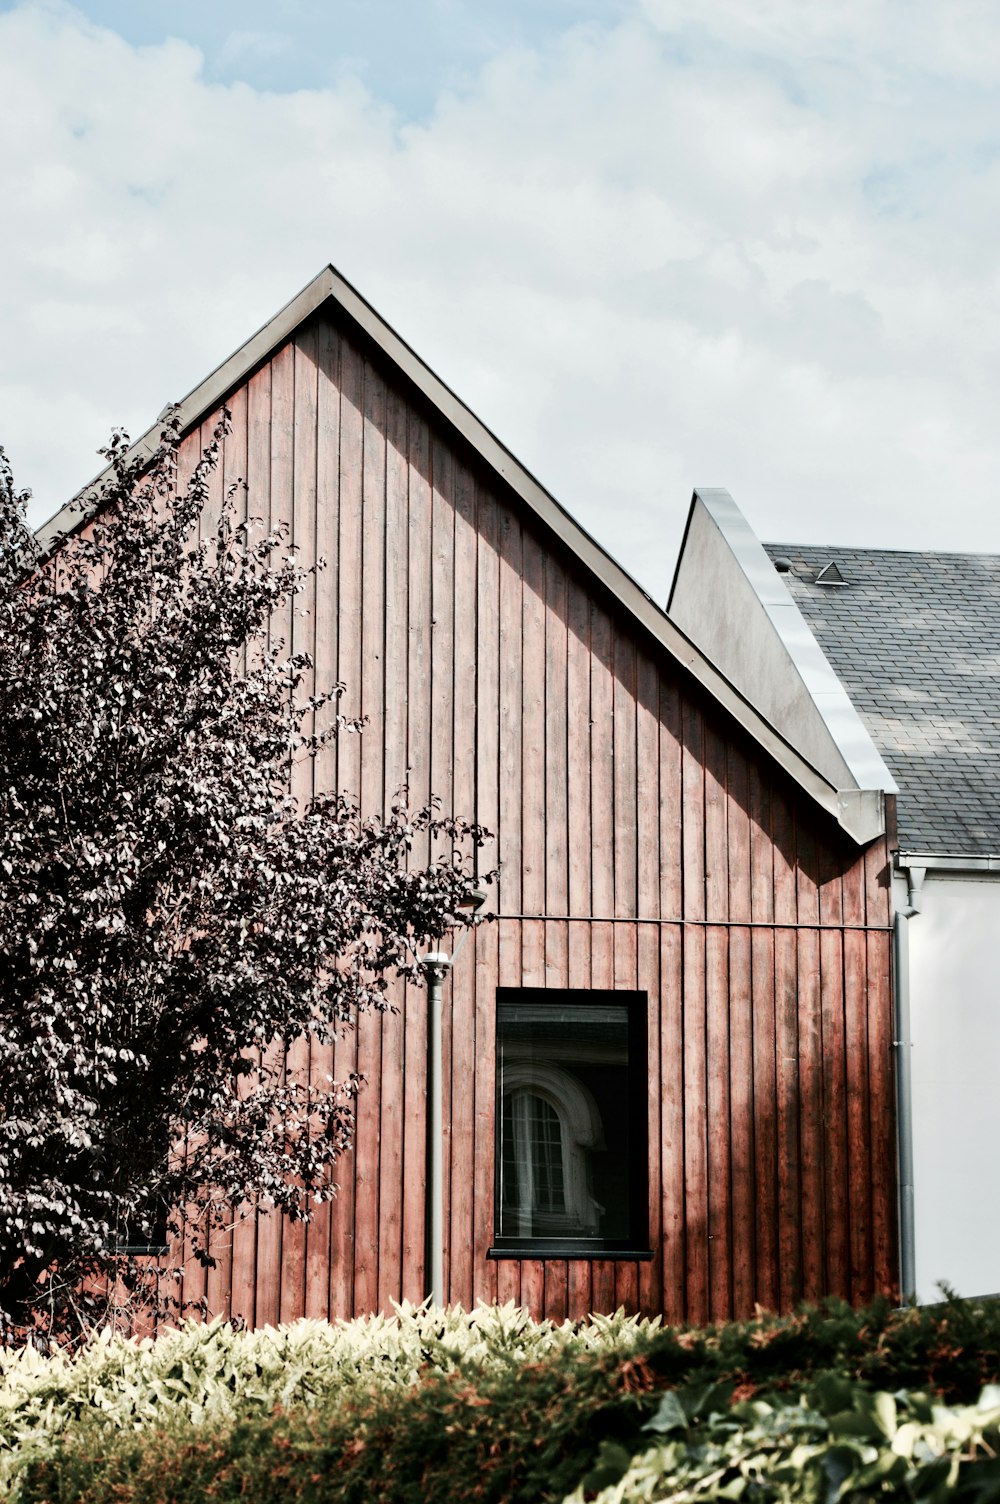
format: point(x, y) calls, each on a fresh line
point(827, 1405)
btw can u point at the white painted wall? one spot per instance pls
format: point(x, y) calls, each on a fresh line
point(955, 1026)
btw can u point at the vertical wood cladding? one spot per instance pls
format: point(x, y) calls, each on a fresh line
point(646, 844)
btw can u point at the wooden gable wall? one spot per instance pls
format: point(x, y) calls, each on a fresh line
point(646, 844)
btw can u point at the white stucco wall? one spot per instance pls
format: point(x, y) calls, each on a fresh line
point(955, 1062)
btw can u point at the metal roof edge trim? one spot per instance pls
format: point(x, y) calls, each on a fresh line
point(330, 284)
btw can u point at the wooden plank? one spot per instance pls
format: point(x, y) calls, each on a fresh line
point(671, 1051)
point(878, 883)
point(533, 789)
point(418, 780)
point(578, 755)
point(556, 748)
point(463, 978)
point(291, 1279)
point(533, 972)
point(626, 977)
point(716, 843)
point(578, 816)
point(856, 1049)
point(602, 954)
point(374, 602)
point(261, 482)
point(786, 1024)
point(602, 786)
point(392, 1091)
point(741, 1057)
point(695, 1087)
point(533, 850)
point(556, 752)
point(371, 692)
point(647, 788)
point(247, 1255)
point(193, 1287)
point(578, 1290)
point(764, 1065)
point(487, 938)
point(650, 1275)
point(742, 1121)
point(297, 486)
point(327, 530)
point(624, 843)
point(811, 1136)
point(650, 1291)
point(718, 1126)
point(508, 1281)
point(327, 460)
point(460, 1112)
point(413, 1026)
point(349, 567)
point(603, 1299)
point(556, 1300)
point(350, 559)
point(626, 956)
point(509, 804)
point(214, 483)
point(717, 1022)
point(673, 1161)
point(858, 1123)
point(236, 1251)
point(837, 1202)
point(509, 975)
point(484, 1270)
point(627, 1286)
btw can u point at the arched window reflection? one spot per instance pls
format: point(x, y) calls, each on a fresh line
point(533, 1155)
point(550, 1125)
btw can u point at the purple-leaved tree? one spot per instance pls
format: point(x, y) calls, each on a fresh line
point(167, 910)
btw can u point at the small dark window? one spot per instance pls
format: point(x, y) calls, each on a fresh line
point(572, 1161)
point(147, 1232)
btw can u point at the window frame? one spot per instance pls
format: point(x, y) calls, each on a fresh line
point(636, 1245)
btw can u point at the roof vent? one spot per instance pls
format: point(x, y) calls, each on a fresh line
point(783, 565)
point(830, 575)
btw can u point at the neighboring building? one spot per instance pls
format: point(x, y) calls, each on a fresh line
point(668, 1061)
point(914, 641)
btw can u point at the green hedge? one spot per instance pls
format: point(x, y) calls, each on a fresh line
point(434, 1406)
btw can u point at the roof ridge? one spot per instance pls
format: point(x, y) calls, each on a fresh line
point(863, 548)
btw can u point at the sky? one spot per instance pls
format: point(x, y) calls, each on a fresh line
point(653, 244)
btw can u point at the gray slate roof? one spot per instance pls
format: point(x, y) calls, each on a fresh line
point(915, 640)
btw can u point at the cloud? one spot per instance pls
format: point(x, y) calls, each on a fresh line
point(731, 244)
point(257, 44)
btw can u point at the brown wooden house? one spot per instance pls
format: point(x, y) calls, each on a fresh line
point(668, 1076)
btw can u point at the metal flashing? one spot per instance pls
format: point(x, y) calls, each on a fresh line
point(761, 641)
point(864, 820)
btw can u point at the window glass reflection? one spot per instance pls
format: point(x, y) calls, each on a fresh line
point(563, 1081)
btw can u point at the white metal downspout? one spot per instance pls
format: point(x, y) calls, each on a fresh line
point(902, 1043)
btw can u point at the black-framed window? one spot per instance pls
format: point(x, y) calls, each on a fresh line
point(147, 1232)
point(572, 1160)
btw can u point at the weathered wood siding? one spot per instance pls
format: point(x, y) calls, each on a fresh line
point(645, 842)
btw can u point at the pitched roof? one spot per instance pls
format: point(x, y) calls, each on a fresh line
point(915, 640)
point(855, 809)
